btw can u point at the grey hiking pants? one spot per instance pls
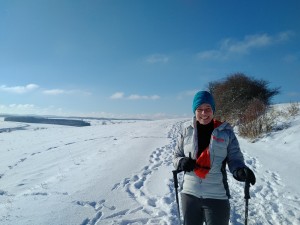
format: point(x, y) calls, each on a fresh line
point(195, 210)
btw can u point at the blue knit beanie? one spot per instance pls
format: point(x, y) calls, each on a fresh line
point(203, 97)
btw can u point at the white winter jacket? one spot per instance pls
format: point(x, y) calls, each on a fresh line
point(224, 150)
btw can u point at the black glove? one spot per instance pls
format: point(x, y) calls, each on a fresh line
point(243, 174)
point(186, 164)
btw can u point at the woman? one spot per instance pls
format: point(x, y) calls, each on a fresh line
point(204, 149)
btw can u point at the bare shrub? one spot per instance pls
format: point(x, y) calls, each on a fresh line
point(261, 125)
point(234, 94)
point(293, 109)
point(259, 119)
point(252, 122)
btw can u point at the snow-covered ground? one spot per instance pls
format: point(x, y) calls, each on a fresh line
point(121, 173)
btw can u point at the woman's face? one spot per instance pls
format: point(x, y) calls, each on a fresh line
point(204, 114)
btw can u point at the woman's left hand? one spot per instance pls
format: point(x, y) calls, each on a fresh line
point(244, 174)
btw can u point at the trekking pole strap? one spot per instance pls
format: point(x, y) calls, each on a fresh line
point(247, 190)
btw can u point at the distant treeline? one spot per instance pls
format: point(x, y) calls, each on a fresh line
point(32, 119)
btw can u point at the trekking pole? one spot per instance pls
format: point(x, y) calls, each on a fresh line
point(247, 197)
point(175, 172)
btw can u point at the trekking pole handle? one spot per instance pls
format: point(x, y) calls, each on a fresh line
point(175, 178)
point(175, 172)
point(247, 187)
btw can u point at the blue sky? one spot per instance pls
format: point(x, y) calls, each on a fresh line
point(140, 58)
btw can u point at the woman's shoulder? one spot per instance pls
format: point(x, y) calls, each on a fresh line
point(224, 126)
point(187, 127)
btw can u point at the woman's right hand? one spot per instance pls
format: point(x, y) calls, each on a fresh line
point(186, 164)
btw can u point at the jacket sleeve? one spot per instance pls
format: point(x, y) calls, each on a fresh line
point(235, 158)
point(178, 152)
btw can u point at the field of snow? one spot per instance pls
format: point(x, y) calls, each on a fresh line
point(120, 172)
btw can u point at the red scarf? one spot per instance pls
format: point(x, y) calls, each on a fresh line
point(203, 161)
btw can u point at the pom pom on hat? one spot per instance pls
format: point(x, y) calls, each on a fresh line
point(202, 97)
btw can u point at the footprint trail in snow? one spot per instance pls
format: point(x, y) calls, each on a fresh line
point(156, 204)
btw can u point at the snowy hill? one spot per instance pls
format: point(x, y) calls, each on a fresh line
point(120, 173)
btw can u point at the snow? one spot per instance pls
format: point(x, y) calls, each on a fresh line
point(120, 172)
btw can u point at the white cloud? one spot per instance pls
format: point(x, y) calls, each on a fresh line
point(138, 97)
point(19, 89)
point(210, 54)
point(54, 92)
point(61, 91)
point(284, 36)
point(231, 46)
point(121, 95)
point(157, 58)
point(249, 42)
point(31, 87)
point(25, 109)
point(117, 95)
point(22, 106)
